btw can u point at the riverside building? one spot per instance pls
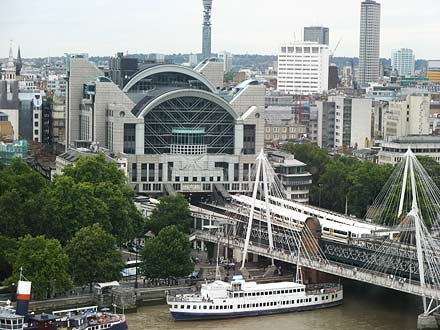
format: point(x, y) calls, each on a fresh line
point(178, 132)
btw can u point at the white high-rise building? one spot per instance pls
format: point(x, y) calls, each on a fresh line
point(403, 60)
point(369, 43)
point(226, 57)
point(303, 68)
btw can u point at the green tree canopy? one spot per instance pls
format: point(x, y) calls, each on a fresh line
point(69, 206)
point(19, 188)
point(432, 167)
point(8, 250)
point(167, 255)
point(172, 210)
point(44, 262)
point(95, 170)
point(314, 157)
point(94, 256)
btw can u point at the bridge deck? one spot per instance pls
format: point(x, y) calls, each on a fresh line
point(330, 267)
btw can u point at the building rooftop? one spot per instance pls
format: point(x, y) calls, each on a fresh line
point(416, 139)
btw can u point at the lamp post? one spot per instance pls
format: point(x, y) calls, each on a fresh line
point(136, 270)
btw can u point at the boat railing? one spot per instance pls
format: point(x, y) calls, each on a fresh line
point(189, 298)
point(323, 288)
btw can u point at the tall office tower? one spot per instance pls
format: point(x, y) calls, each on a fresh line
point(369, 44)
point(318, 34)
point(226, 57)
point(303, 68)
point(403, 60)
point(206, 42)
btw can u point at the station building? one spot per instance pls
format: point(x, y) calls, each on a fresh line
point(178, 130)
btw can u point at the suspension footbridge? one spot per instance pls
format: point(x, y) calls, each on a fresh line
point(394, 247)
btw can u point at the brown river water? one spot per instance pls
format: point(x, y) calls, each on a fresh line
point(364, 308)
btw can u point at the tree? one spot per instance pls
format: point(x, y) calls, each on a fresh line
point(172, 210)
point(8, 249)
point(19, 187)
point(69, 206)
point(432, 167)
point(95, 170)
point(167, 255)
point(43, 262)
point(94, 256)
point(126, 221)
point(367, 180)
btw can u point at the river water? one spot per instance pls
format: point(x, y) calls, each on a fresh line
point(365, 308)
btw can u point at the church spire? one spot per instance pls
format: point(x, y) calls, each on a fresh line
point(11, 58)
point(19, 63)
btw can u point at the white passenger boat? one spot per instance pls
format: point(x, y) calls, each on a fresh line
point(220, 300)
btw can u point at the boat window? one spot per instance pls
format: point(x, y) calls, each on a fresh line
point(336, 295)
point(253, 294)
point(174, 306)
point(258, 293)
point(266, 293)
point(194, 307)
point(322, 298)
point(182, 306)
point(241, 294)
point(204, 307)
point(231, 307)
point(326, 297)
point(216, 307)
point(210, 307)
point(297, 301)
point(278, 292)
point(238, 306)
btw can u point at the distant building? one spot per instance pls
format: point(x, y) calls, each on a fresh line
point(10, 105)
point(317, 34)
point(433, 71)
point(122, 68)
point(344, 122)
point(303, 68)
point(333, 77)
point(193, 60)
point(280, 126)
point(424, 145)
point(226, 57)
point(206, 37)
point(408, 116)
point(369, 44)
point(57, 85)
point(14, 150)
point(292, 174)
point(403, 60)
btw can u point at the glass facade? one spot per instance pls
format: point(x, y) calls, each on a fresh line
point(189, 120)
point(167, 79)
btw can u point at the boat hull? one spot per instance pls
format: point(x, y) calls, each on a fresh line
point(188, 316)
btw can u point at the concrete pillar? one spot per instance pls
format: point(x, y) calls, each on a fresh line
point(239, 135)
point(427, 322)
point(140, 129)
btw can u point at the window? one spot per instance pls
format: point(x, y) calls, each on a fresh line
point(194, 178)
point(134, 172)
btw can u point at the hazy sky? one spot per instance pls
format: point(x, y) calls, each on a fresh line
point(103, 27)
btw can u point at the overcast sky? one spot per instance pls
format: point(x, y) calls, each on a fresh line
point(103, 27)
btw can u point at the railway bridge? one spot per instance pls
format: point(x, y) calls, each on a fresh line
point(394, 247)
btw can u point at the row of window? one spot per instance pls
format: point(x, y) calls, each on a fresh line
point(255, 305)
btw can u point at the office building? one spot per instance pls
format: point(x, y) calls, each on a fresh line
point(292, 175)
point(344, 122)
point(393, 151)
point(193, 60)
point(206, 38)
point(317, 34)
point(303, 68)
point(10, 105)
point(369, 43)
point(403, 60)
point(433, 71)
point(178, 132)
point(121, 68)
point(13, 150)
point(407, 116)
point(226, 57)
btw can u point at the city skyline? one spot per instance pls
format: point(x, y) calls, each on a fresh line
point(263, 26)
